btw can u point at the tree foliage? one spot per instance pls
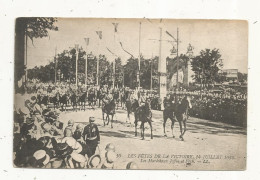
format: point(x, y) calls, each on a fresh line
point(206, 66)
point(33, 27)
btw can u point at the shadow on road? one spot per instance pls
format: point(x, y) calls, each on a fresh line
point(204, 126)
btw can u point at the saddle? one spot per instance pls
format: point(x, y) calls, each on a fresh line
point(143, 111)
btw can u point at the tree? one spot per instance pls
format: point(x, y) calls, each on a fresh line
point(242, 77)
point(131, 69)
point(206, 66)
point(34, 27)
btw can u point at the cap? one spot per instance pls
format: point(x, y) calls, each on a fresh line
point(110, 147)
point(70, 122)
point(131, 165)
point(111, 156)
point(91, 119)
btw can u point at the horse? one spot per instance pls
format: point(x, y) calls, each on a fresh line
point(100, 96)
point(64, 101)
point(82, 100)
point(74, 101)
point(168, 114)
point(92, 99)
point(181, 114)
point(143, 114)
point(55, 100)
point(116, 98)
point(109, 109)
point(129, 109)
point(123, 100)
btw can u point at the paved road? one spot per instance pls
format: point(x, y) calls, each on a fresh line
point(220, 146)
point(211, 145)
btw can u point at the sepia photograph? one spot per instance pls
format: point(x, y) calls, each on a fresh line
point(111, 93)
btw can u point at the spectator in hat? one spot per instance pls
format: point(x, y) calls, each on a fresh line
point(132, 165)
point(110, 159)
point(94, 161)
point(40, 159)
point(110, 147)
point(77, 161)
point(78, 132)
point(91, 136)
point(68, 131)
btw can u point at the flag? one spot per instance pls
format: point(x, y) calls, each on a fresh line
point(99, 33)
point(125, 50)
point(111, 52)
point(115, 25)
point(86, 41)
point(170, 35)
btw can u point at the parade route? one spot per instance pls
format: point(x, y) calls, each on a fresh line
point(203, 136)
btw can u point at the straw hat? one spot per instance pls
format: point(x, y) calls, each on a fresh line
point(111, 156)
point(131, 165)
point(94, 161)
point(41, 157)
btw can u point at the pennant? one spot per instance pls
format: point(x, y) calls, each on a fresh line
point(115, 25)
point(111, 52)
point(86, 41)
point(125, 50)
point(99, 33)
point(170, 35)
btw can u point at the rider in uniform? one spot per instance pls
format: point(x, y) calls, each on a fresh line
point(91, 136)
point(168, 106)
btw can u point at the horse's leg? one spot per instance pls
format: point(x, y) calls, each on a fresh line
point(112, 116)
point(172, 126)
point(107, 118)
point(184, 124)
point(164, 122)
point(151, 127)
point(135, 126)
point(142, 130)
point(103, 118)
point(180, 123)
point(128, 116)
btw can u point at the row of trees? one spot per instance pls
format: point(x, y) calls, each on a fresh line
point(124, 74)
point(205, 66)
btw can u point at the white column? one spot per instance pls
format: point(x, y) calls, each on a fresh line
point(162, 70)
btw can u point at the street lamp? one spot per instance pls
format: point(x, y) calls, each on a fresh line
point(59, 74)
point(190, 51)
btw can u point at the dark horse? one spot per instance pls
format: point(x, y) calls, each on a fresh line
point(116, 98)
point(92, 99)
point(180, 111)
point(109, 108)
point(143, 114)
point(82, 100)
point(74, 101)
point(64, 100)
point(168, 112)
point(55, 100)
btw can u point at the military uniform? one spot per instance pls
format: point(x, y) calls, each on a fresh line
point(91, 137)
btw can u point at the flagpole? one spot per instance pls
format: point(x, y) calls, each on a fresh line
point(76, 47)
point(139, 59)
point(55, 66)
point(25, 55)
point(160, 58)
point(97, 77)
point(86, 65)
point(177, 79)
point(114, 64)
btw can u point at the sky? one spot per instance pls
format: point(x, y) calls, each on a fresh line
point(230, 37)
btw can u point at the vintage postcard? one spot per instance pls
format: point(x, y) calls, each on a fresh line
point(130, 94)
